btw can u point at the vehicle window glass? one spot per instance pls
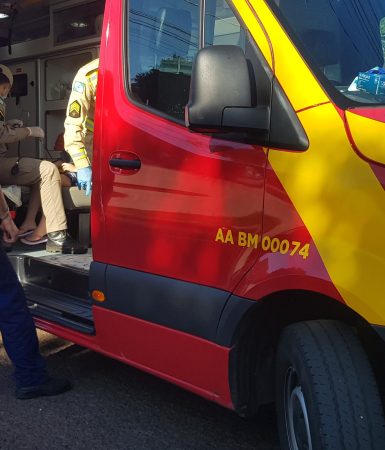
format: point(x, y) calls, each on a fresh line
point(345, 39)
point(221, 25)
point(163, 39)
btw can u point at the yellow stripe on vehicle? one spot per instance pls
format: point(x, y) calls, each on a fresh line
point(335, 192)
point(255, 28)
point(341, 203)
point(288, 63)
point(368, 143)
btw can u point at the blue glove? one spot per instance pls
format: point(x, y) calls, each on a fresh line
point(85, 179)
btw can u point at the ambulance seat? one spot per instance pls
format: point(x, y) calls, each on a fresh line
point(73, 198)
point(77, 206)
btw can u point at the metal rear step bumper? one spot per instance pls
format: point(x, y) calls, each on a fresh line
point(62, 309)
point(56, 293)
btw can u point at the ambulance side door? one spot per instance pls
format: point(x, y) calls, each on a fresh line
point(169, 202)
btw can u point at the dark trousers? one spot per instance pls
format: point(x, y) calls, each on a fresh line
point(18, 330)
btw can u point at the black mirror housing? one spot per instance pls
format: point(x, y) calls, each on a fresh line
point(223, 99)
point(221, 93)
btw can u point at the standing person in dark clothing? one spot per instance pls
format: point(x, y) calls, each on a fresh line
point(16, 324)
point(17, 327)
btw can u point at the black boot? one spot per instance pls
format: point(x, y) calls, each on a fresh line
point(62, 242)
point(54, 386)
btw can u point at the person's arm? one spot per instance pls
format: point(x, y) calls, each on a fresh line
point(14, 123)
point(7, 224)
point(68, 167)
point(10, 135)
point(77, 111)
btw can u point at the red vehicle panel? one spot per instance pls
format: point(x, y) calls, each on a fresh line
point(164, 218)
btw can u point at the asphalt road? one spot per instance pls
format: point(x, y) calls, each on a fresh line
point(113, 407)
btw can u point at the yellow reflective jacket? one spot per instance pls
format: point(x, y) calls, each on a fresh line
point(79, 123)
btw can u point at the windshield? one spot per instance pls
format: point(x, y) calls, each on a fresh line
point(344, 39)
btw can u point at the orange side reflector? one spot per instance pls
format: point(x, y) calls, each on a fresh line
point(98, 296)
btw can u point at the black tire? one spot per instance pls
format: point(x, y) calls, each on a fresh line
point(322, 366)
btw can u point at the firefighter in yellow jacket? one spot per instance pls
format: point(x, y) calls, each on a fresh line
point(79, 123)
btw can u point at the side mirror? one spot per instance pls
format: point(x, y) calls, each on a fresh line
point(222, 96)
point(223, 99)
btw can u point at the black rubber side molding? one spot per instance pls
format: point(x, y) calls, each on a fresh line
point(180, 305)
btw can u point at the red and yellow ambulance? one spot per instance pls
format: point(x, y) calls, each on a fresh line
point(238, 208)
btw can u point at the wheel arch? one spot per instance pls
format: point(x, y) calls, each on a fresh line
point(252, 355)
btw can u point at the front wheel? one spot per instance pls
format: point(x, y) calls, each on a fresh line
point(326, 394)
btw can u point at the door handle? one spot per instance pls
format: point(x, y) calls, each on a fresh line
point(127, 164)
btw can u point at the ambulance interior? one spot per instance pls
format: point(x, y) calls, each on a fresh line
point(44, 43)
